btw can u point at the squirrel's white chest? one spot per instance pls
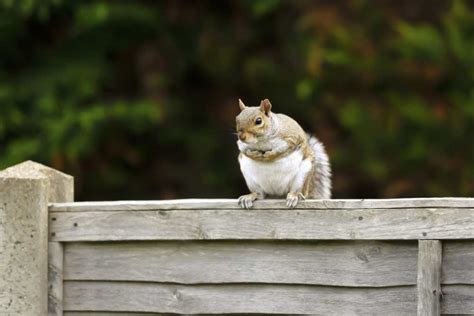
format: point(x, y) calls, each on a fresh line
point(275, 178)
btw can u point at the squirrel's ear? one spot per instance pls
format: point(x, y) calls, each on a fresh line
point(265, 106)
point(241, 105)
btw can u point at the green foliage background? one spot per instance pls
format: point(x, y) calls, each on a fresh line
point(137, 99)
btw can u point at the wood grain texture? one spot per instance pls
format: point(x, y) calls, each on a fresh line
point(55, 278)
point(346, 263)
point(203, 204)
point(335, 224)
point(458, 262)
point(429, 277)
point(237, 298)
point(142, 314)
point(458, 300)
point(114, 314)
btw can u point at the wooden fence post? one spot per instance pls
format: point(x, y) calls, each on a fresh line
point(25, 191)
point(429, 277)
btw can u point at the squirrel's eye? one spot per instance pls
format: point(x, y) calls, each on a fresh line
point(258, 121)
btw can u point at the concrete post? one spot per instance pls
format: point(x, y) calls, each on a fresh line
point(25, 191)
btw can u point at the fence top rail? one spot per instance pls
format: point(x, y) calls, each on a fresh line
point(228, 204)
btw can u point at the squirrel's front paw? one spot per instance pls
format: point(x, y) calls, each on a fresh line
point(246, 201)
point(254, 154)
point(293, 198)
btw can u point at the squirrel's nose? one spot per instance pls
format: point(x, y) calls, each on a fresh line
point(242, 136)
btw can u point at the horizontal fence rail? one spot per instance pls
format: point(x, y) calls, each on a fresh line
point(404, 219)
point(230, 204)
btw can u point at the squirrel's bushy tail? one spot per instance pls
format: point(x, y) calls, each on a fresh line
point(322, 171)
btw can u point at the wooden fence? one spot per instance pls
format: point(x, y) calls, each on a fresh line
point(338, 257)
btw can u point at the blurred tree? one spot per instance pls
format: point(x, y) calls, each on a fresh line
point(137, 99)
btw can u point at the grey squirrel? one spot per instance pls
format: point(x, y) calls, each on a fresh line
point(278, 159)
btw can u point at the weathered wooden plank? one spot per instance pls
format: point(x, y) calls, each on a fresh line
point(114, 314)
point(375, 224)
point(458, 300)
point(237, 298)
point(204, 204)
point(346, 263)
point(149, 314)
point(429, 277)
point(55, 278)
point(141, 314)
point(458, 262)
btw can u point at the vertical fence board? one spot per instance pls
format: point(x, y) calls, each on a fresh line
point(55, 278)
point(429, 277)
